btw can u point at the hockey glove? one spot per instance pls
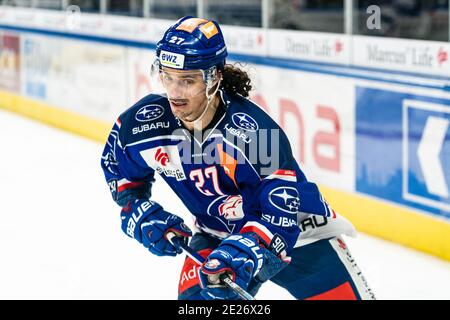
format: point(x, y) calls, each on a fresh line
point(240, 257)
point(148, 223)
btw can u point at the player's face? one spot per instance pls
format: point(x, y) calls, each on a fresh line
point(186, 91)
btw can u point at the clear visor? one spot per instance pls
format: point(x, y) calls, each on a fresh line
point(180, 84)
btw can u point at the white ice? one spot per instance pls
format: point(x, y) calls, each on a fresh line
point(60, 235)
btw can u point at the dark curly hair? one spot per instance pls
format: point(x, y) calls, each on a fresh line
point(235, 81)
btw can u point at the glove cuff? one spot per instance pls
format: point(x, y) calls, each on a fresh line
point(248, 244)
point(134, 214)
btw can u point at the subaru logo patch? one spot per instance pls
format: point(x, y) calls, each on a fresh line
point(285, 199)
point(244, 121)
point(149, 113)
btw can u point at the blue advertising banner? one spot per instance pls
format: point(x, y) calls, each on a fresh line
point(403, 149)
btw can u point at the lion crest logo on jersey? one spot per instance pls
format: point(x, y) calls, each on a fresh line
point(285, 199)
point(231, 208)
point(244, 121)
point(227, 209)
point(149, 113)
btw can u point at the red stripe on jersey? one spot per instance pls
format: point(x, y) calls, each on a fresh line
point(342, 292)
point(258, 231)
point(282, 172)
point(129, 186)
point(118, 123)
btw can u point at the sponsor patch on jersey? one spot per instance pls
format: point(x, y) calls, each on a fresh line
point(237, 133)
point(285, 199)
point(149, 113)
point(171, 59)
point(244, 121)
point(279, 221)
point(165, 160)
point(150, 126)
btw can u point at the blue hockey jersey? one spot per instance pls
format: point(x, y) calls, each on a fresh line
point(239, 176)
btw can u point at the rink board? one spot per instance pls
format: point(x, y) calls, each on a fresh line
point(379, 149)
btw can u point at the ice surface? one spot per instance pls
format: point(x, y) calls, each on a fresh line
point(60, 235)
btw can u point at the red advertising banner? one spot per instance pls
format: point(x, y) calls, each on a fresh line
point(10, 62)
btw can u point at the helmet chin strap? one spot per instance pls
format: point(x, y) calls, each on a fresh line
point(196, 122)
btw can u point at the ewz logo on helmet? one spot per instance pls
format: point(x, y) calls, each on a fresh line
point(172, 60)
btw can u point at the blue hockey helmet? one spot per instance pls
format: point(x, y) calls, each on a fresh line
point(192, 44)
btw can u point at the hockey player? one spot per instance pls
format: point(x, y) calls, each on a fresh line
point(257, 217)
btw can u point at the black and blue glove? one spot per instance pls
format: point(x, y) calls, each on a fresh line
point(238, 256)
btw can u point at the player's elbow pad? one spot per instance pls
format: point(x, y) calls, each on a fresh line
point(124, 192)
point(280, 205)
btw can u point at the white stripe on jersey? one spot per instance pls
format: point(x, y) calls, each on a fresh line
point(259, 226)
point(282, 177)
point(167, 137)
point(123, 181)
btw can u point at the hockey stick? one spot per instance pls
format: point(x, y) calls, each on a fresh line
point(178, 242)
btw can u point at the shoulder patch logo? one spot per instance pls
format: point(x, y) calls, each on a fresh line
point(149, 113)
point(244, 121)
point(285, 199)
